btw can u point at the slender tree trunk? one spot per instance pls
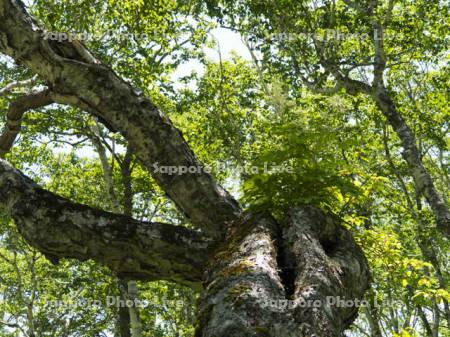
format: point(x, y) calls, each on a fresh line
point(123, 316)
point(372, 315)
point(135, 319)
point(424, 241)
point(108, 175)
point(423, 317)
point(128, 317)
point(436, 319)
point(412, 156)
point(429, 255)
point(132, 289)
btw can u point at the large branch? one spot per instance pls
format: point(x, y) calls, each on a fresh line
point(60, 228)
point(15, 114)
point(86, 83)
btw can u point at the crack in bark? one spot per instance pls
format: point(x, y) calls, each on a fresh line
point(247, 295)
point(329, 265)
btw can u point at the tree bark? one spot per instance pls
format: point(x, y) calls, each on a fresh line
point(60, 228)
point(281, 281)
point(135, 318)
point(260, 265)
point(422, 178)
point(123, 315)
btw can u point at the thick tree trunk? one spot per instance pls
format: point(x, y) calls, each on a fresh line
point(265, 280)
point(284, 281)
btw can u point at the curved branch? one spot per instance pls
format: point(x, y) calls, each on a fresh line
point(94, 87)
point(15, 114)
point(7, 89)
point(60, 228)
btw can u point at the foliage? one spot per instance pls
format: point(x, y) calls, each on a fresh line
point(272, 140)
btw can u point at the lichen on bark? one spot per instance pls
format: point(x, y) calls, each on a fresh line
point(246, 293)
point(245, 276)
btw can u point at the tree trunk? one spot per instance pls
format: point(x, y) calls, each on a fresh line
point(123, 316)
point(372, 315)
point(411, 154)
point(128, 319)
point(135, 318)
point(305, 277)
point(285, 280)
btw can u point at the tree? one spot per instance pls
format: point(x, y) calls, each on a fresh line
point(356, 48)
point(240, 252)
point(306, 160)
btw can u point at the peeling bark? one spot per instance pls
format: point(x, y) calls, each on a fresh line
point(246, 295)
point(60, 228)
